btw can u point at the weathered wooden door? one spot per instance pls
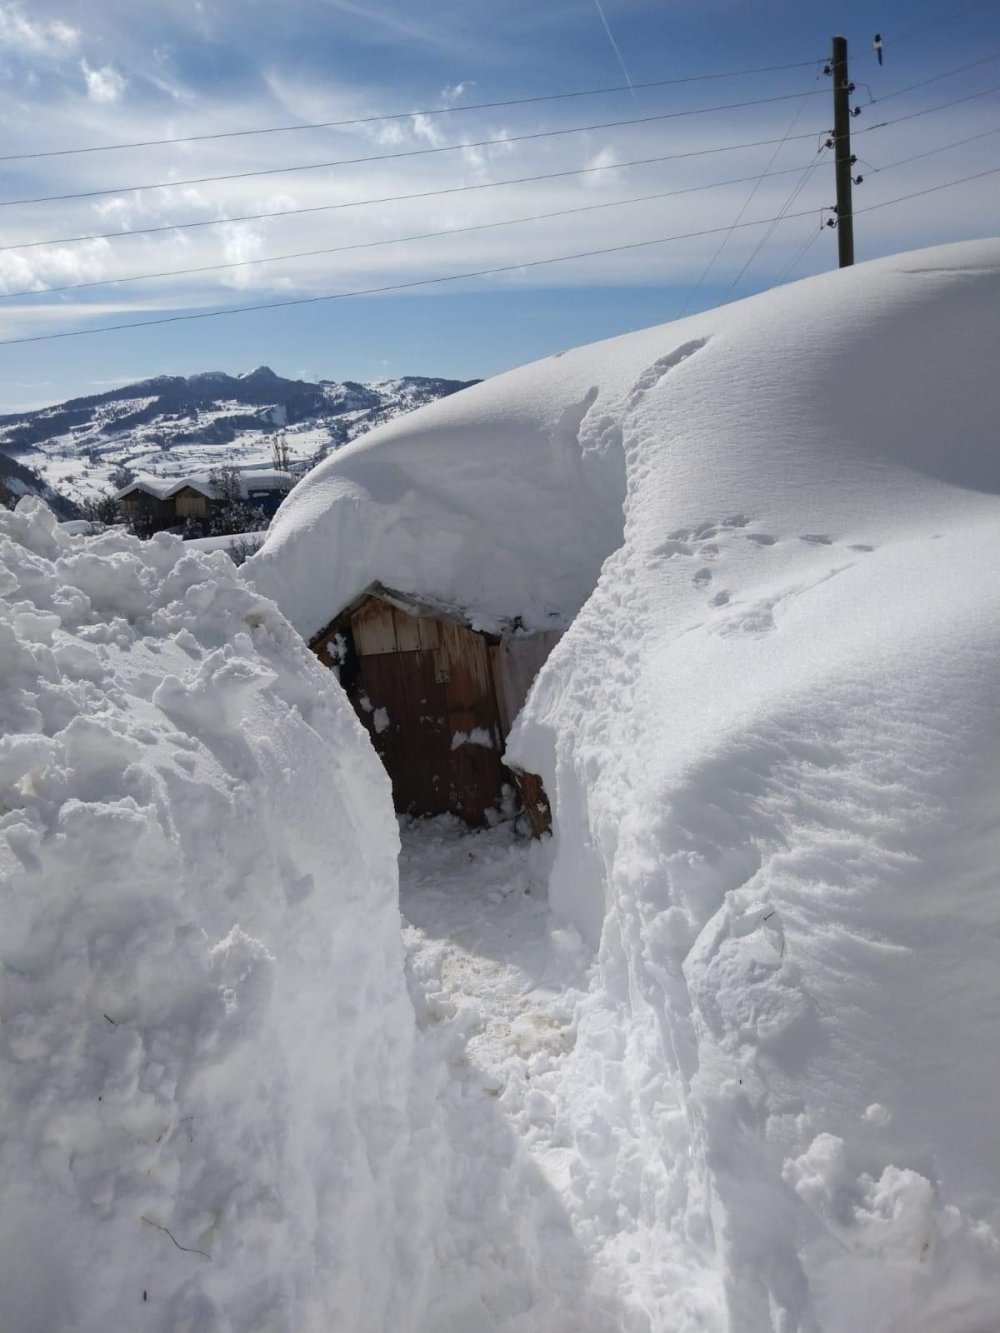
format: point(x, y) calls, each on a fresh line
point(405, 708)
point(424, 689)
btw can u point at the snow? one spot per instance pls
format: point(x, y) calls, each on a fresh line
point(770, 737)
point(208, 1109)
point(171, 427)
point(722, 1054)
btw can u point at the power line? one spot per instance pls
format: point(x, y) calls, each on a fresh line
point(461, 189)
point(409, 152)
point(937, 78)
point(943, 148)
point(401, 198)
point(947, 18)
point(457, 277)
point(931, 189)
point(799, 254)
point(395, 240)
point(373, 291)
point(796, 190)
point(929, 111)
point(739, 216)
point(409, 115)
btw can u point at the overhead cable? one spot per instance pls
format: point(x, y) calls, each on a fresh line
point(938, 22)
point(458, 277)
point(400, 198)
point(409, 152)
point(395, 240)
point(743, 208)
point(407, 115)
point(937, 78)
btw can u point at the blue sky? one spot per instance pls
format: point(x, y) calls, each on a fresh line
point(78, 73)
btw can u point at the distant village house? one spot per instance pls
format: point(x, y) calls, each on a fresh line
point(156, 503)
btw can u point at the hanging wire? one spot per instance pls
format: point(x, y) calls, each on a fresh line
point(406, 115)
point(392, 240)
point(405, 153)
point(740, 215)
point(398, 198)
point(459, 277)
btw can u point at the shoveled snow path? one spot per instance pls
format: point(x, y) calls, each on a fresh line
point(496, 984)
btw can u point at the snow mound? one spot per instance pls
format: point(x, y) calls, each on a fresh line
point(205, 1038)
point(770, 736)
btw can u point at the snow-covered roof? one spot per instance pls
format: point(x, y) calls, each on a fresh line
point(252, 480)
point(160, 487)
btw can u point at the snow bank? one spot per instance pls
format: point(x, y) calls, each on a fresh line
point(770, 736)
point(205, 1040)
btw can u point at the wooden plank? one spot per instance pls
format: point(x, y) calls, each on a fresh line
point(464, 655)
point(407, 630)
point(430, 635)
point(534, 802)
point(477, 776)
point(374, 628)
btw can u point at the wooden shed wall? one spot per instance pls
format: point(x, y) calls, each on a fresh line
point(189, 503)
point(428, 689)
point(423, 687)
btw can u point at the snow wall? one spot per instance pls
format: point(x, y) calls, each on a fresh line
point(208, 1119)
point(771, 738)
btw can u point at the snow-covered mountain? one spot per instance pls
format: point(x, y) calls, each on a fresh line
point(172, 425)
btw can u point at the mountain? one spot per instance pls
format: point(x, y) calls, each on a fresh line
point(16, 481)
point(174, 424)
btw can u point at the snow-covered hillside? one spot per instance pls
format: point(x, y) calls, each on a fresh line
point(771, 738)
point(172, 425)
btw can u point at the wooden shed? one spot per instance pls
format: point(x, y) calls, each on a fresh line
point(192, 500)
point(438, 698)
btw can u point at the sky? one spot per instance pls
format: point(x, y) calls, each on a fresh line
point(741, 147)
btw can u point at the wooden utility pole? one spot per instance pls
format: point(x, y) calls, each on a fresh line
point(842, 89)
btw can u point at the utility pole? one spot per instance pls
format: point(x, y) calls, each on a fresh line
point(842, 89)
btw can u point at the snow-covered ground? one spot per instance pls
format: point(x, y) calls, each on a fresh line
point(770, 735)
point(722, 1055)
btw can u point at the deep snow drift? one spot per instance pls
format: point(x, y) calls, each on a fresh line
point(771, 738)
point(207, 1119)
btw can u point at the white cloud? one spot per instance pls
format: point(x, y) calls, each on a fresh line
point(455, 92)
point(45, 37)
point(104, 84)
